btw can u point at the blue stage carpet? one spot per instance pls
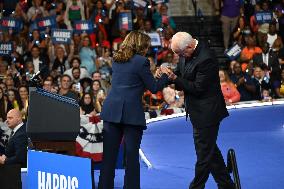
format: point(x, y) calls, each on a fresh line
point(256, 135)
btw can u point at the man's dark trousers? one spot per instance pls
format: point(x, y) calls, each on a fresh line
point(209, 159)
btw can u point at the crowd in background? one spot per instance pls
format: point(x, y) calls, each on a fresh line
point(257, 72)
point(82, 69)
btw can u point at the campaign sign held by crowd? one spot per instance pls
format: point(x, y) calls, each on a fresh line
point(155, 39)
point(233, 52)
point(61, 36)
point(82, 26)
point(7, 23)
point(140, 3)
point(6, 48)
point(264, 17)
point(46, 22)
point(125, 21)
point(55, 171)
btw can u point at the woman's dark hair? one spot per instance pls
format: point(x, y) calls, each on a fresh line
point(87, 108)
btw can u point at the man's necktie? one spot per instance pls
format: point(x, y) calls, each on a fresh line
point(11, 134)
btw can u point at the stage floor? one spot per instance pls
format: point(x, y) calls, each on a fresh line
point(256, 134)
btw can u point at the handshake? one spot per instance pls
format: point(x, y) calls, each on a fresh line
point(165, 70)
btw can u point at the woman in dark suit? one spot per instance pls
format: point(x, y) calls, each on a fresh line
point(123, 112)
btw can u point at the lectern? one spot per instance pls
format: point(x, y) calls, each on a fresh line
point(53, 122)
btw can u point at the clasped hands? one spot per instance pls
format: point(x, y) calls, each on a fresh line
point(165, 70)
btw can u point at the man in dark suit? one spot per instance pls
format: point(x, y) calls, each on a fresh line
point(269, 59)
point(16, 149)
point(197, 76)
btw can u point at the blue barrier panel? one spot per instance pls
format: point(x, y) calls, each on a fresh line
point(55, 171)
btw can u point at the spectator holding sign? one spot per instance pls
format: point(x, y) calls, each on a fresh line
point(161, 18)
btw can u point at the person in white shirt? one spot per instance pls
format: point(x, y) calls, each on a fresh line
point(75, 63)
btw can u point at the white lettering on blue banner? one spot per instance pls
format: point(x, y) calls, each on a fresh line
point(56, 181)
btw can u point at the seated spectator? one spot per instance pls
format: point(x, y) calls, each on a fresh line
point(75, 63)
point(16, 149)
point(265, 95)
point(76, 75)
point(96, 88)
point(39, 61)
point(229, 90)
point(269, 59)
point(279, 86)
point(261, 82)
point(5, 105)
point(250, 49)
point(105, 85)
point(9, 81)
point(243, 82)
point(87, 105)
point(65, 87)
point(153, 101)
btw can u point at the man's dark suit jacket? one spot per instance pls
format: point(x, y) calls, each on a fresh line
point(16, 149)
point(198, 77)
point(129, 81)
point(273, 63)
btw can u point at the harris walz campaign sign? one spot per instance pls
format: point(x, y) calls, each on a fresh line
point(125, 21)
point(61, 36)
point(8, 23)
point(264, 17)
point(56, 171)
point(84, 26)
point(6, 49)
point(46, 22)
point(234, 52)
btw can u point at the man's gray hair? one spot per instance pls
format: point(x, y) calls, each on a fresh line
point(181, 40)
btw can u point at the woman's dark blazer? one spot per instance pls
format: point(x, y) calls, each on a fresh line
point(129, 81)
